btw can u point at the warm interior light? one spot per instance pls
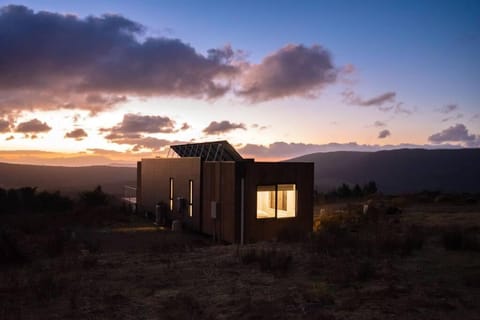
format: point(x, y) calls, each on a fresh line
point(278, 201)
point(190, 197)
point(265, 202)
point(286, 201)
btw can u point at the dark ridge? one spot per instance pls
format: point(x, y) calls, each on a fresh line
point(399, 171)
point(67, 179)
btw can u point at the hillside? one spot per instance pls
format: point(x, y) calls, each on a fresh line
point(396, 171)
point(66, 179)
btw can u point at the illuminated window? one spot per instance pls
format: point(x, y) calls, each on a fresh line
point(171, 194)
point(265, 202)
point(276, 201)
point(286, 201)
point(190, 198)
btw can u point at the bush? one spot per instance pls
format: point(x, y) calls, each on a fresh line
point(458, 239)
point(26, 199)
point(10, 253)
point(270, 260)
point(94, 198)
point(403, 243)
point(366, 270)
point(56, 244)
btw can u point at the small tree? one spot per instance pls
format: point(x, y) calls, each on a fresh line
point(94, 198)
point(370, 188)
point(344, 191)
point(357, 191)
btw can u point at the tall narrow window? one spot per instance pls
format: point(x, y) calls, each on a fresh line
point(190, 198)
point(171, 194)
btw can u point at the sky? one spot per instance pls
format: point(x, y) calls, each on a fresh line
point(104, 82)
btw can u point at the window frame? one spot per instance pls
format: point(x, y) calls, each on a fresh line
point(276, 197)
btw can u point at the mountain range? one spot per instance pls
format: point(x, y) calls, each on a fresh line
point(399, 171)
point(394, 171)
point(67, 179)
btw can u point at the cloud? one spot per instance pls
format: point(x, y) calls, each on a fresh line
point(77, 134)
point(457, 117)
point(137, 123)
point(222, 127)
point(294, 70)
point(456, 133)
point(259, 127)
point(379, 124)
point(351, 97)
point(140, 142)
point(131, 131)
point(185, 126)
point(51, 60)
point(4, 126)
point(32, 126)
point(383, 134)
point(447, 108)
point(399, 108)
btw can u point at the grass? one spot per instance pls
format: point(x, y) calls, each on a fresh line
point(271, 260)
point(461, 239)
point(354, 266)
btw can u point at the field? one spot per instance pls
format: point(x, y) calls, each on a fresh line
point(422, 263)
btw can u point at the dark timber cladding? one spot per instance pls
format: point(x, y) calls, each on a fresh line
point(212, 189)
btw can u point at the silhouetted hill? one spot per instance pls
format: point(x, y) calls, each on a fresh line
point(396, 171)
point(67, 179)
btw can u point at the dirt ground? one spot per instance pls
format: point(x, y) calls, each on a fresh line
point(402, 266)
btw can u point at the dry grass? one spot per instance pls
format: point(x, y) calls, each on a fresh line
point(353, 267)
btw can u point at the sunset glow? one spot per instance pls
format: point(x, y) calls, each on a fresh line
point(111, 82)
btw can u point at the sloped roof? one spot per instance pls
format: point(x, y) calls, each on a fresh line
point(208, 151)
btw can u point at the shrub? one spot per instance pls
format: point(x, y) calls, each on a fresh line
point(94, 198)
point(56, 244)
point(10, 253)
point(460, 239)
point(46, 287)
point(48, 202)
point(270, 260)
point(366, 270)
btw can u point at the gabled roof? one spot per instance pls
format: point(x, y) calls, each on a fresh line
point(208, 151)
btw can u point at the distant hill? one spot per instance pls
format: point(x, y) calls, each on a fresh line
point(67, 179)
point(397, 171)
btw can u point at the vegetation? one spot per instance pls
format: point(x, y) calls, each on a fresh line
point(94, 198)
point(345, 191)
point(271, 260)
point(91, 262)
point(28, 200)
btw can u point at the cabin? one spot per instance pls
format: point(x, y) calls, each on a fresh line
point(210, 188)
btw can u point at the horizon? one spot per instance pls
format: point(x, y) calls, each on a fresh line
point(117, 81)
point(77, 160)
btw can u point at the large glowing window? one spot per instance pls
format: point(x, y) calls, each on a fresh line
point(265, 202)
point(276, 201)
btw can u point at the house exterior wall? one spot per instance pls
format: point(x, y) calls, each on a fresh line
point(155, 185)
point(267, 173)
point(218, 184)
point(220, 181)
